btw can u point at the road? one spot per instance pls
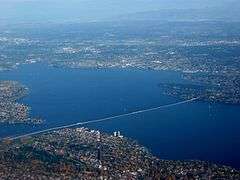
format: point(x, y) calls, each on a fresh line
point(104, 119)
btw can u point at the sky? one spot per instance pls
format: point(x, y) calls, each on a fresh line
point(92, 10)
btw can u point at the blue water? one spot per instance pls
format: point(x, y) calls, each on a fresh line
point(189, 131)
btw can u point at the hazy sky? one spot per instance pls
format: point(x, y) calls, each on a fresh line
point(92, 10)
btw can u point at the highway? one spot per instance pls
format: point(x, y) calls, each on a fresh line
point(103, 119)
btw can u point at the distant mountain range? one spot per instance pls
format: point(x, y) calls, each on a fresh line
point(208, 14)
point(48, 11)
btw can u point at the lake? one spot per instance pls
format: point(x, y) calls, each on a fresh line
point(189, 131)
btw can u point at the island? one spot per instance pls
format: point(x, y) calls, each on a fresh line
point(205, 92)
